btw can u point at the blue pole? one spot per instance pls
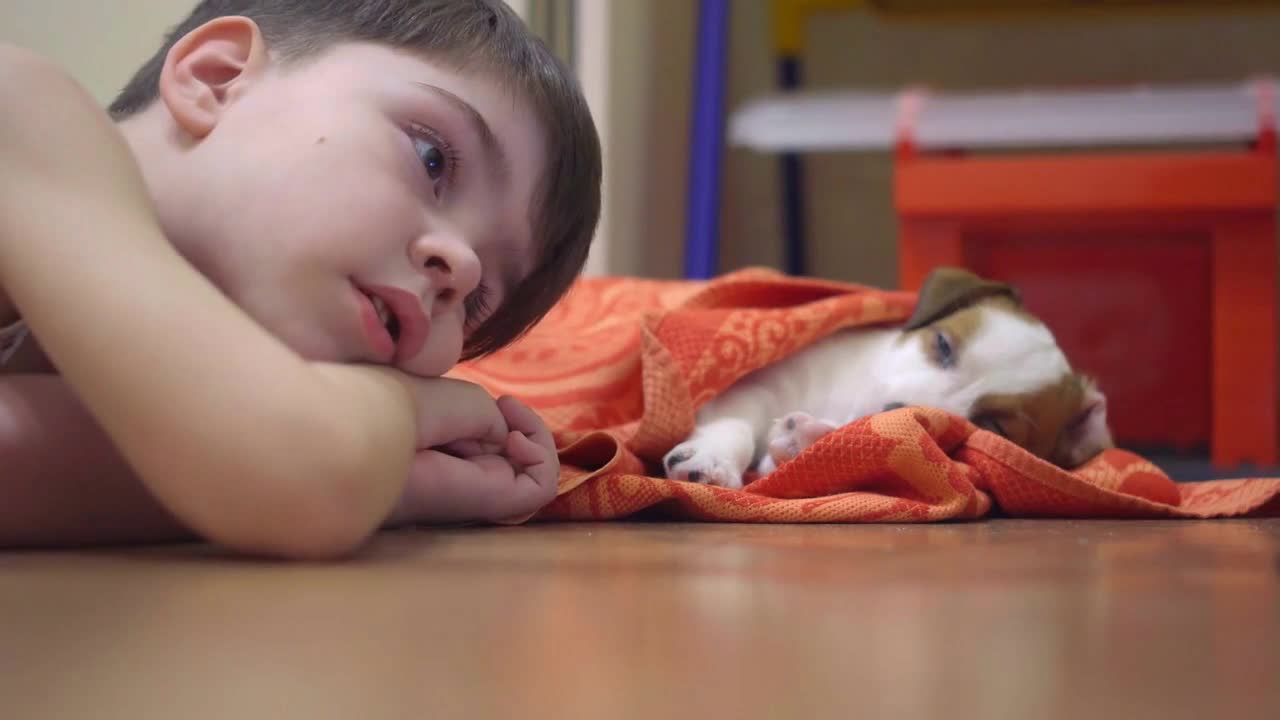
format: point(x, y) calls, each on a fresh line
point(706, 146)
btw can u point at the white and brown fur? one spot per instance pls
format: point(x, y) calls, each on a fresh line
point(969, 348)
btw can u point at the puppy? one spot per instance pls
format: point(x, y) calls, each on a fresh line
point(969, 348)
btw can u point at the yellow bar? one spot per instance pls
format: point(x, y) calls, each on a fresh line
point(1055, 5)
point(790, 16)
point(997, 9)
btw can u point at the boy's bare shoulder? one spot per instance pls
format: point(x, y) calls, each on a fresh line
point(23, 70)
point(39, 90)
point(39, 101)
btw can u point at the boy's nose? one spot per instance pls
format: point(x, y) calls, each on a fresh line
point(451, 267)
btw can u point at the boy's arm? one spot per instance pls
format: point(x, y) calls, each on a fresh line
point(231, 431)
point(63, 483)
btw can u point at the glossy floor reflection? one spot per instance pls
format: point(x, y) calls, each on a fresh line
point(999, 619)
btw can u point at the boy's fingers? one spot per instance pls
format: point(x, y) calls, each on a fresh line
point(449, 489)
point(532, 446)
point(451, 410)
point(471, 448)
point(444, 488)
point(520, 418)
point(541, 465)
point(524, 451)
point(470, 477)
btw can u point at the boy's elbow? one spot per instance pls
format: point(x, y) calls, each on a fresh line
point(312, 528)
point(323, 508)
point(301, 538)
point(295, 480)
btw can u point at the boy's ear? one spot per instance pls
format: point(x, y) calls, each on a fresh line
point(206, 67)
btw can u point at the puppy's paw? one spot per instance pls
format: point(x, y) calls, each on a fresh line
point(790, 435)
point(695, 462)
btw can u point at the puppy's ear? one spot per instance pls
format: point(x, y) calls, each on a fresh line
point(949, 289)
point(1086, 434)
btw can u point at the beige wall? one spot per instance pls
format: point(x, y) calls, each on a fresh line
point(634, 61)
point(102, 44)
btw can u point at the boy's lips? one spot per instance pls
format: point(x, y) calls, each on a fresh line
point(384, 348)
point(413, 323)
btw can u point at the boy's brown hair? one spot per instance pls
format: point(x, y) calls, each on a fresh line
point(480, 34)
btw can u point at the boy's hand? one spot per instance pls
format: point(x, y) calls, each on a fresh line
point(456, 415)
point(531, 448)
point(475, 474)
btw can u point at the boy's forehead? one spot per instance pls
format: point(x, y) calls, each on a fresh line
point(475, 90)
point(374, 65)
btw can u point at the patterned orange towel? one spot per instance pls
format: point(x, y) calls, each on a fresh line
point(619, 367)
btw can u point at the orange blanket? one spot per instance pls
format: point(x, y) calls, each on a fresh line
point(619, 367)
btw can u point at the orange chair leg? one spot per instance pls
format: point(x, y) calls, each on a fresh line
point(1244, 343)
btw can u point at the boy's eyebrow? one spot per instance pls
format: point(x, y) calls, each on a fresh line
point(492, 146)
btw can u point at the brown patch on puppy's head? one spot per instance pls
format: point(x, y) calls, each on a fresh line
point(948, 290)
point(1064, 423)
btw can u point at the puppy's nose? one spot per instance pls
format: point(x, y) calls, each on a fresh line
point(894, 406)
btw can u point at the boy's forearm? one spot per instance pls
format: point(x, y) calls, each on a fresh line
point(55, 491)
point(230, 430)
point(70, 487)
point(227, 440)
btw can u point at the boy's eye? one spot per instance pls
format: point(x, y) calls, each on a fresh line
point(437, 156)
point(433, 158)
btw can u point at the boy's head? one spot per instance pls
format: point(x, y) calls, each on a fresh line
point(332, 165)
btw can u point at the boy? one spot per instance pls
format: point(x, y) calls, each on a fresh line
point(250, 284)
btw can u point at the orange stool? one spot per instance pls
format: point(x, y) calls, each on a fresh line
point(1171, 254)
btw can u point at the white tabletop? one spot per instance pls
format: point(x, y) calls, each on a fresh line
point(857, 120)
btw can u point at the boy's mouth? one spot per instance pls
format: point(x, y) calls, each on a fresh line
point(400, 315)
point(386, 317)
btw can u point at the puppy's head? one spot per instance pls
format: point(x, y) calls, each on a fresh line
point(972, 349)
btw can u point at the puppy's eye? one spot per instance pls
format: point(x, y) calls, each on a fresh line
point(946, 352)
point(992, 424)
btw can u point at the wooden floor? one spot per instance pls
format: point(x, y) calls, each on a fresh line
point(1000, 619)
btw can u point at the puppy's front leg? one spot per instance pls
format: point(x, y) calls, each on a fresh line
point(791, 434)
point(717, 453)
